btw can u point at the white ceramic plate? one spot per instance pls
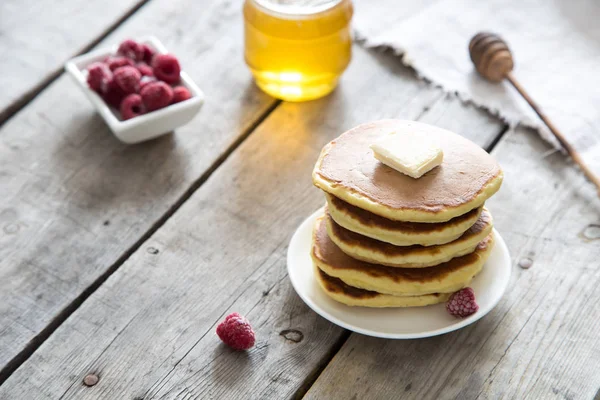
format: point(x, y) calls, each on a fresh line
point(394, 323)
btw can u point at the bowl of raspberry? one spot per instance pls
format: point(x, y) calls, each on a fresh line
point(138, 88)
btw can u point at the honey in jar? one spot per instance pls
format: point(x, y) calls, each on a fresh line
point(297, 49)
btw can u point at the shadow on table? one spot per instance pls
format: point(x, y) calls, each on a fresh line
point(221, 373)
point(98, 171)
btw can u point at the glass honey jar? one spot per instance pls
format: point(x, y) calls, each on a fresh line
point(297, 49)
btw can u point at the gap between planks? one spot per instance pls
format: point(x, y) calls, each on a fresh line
point(61, 317)
point(32, 93)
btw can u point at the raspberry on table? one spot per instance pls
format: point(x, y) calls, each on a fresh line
point(131, 49)
point(181, 93)
point(132, 106)
point(148, 54)
point(166, 68)
point(98, 76)
point(236, 332)
point(128, 79)
point(144, 69)
point(117, 62)
point(462, 303)
point(156, 95)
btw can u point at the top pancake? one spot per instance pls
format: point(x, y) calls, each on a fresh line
point(466, 178)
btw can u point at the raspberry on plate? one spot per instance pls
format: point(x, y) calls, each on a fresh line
point(132, 106)
point(128, 79)
point(117, 62)
point(166, 68)
point(181, 93)
point(131, 49)
point(236, 332)
point(462, 303)
point(156, 95)
point(98, 76)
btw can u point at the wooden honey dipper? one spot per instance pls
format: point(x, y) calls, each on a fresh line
point(493, 60)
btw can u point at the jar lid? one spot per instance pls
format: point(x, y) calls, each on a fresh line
point(296, 7)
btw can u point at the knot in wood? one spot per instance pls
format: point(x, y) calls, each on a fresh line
point(90, 380)
point(491, 56)
point(591, 232)
point(292, 335)
point(526, 263)
point(152, 250)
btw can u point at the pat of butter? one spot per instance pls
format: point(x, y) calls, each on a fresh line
point(411, 154)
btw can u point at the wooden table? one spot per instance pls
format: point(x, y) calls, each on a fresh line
point(118, 261)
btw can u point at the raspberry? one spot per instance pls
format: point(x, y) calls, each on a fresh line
point(181, 93)
point(156, 95)
point(462, 303)
point(144, 69)
point(128, 79)
point(98, 76)
point(131, 49)
point(117, 62)
point(146, 80)
point(166, 68)
point(132, 106)
point(236, 332)
point(113, 95)
point(148, 54)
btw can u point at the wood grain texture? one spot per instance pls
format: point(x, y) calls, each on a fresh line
point(75, 200)
point(37, 37)
point(148, 332)
point(541, 341)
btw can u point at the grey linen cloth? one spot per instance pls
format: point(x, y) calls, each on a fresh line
point(555, 44)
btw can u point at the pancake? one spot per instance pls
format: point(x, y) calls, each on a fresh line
point(398, 233)
point(444, 278)
point(416, 256)
point(348, 170)
point(351, 296)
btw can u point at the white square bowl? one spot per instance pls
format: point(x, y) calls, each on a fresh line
point(143, 127)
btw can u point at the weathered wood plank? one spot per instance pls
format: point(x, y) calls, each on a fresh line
point(75, 200)
point(541, 341)
point(39, 36)
point(148, 332)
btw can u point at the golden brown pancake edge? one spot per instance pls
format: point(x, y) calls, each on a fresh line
point(347, 169)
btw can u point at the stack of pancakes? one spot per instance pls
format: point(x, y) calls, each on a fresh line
point(388, 240)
